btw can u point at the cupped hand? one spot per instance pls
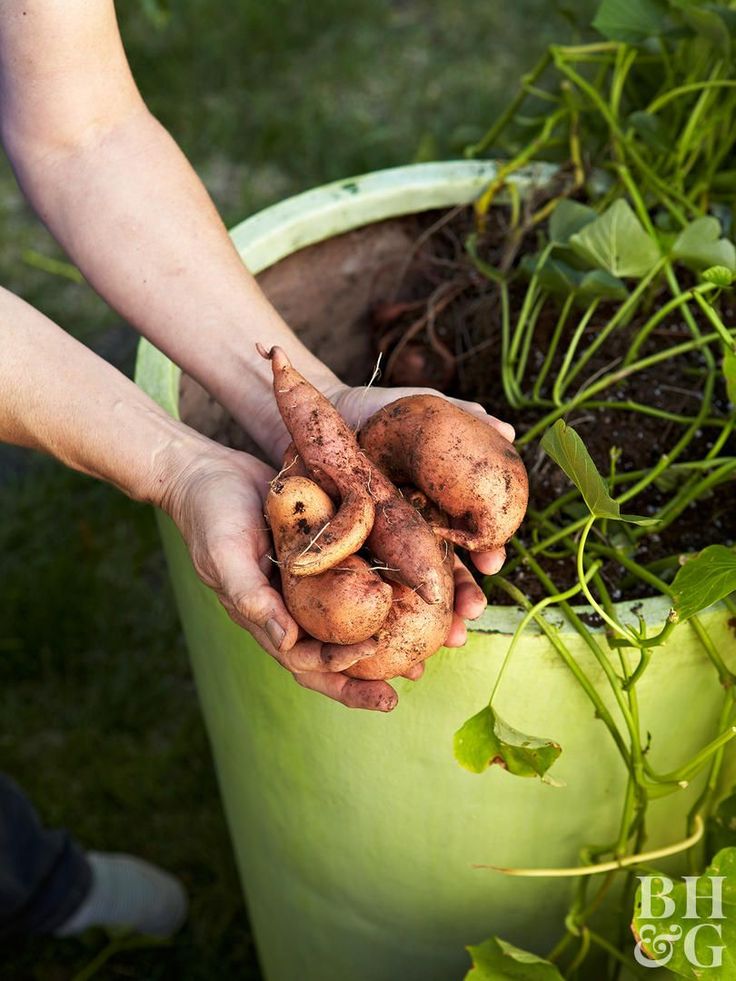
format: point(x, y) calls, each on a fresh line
point(357, 405)
point(216, 500)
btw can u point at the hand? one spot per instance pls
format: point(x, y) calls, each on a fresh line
point(216, 499)
point(356, 405)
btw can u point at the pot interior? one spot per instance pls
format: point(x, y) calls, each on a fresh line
point(325, 293)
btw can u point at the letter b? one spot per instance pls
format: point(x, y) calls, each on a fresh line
point(663, 895)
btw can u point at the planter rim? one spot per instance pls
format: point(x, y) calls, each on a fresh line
point(340, 206)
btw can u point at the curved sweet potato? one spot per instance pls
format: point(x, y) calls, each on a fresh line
point(402, 539)
point(333, 459)
point(346, 604)
point(412, 631)
point(328, 447)
point(460, 462)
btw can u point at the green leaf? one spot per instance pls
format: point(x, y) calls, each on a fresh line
point(721, 826)
point(729, 372)
point(485, 739)
point(617, 242)
point(555, 276)
point(497, 960)
point(691, 946)
point(631, 20)
point(599, 284)
point(700, 245)
point(560, 278)
point(703, 580)
point(570, 453)
point(650, 128)
point(568, 218)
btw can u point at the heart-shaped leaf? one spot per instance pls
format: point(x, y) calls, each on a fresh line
point(601, 285)
point(699, 245)
point(570, 453)
point(703, 580)
point(555, 276)
point(486, 740)
point(497, 960)
point(568, 218)
point(693, 937)
point(632, 21)
point(617, 242)
point(560, 278)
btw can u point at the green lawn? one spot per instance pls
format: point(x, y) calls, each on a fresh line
point(100, 721)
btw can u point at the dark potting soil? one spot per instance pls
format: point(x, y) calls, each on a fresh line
point(406, 288)
point(442, 328)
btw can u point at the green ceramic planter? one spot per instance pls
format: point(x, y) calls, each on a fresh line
point(356, 833)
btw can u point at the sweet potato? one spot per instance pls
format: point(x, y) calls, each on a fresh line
point(346, 604)
point(402, 539)
point(413, 630)
point(368, 500)
point(329, 448)
point(460, 462)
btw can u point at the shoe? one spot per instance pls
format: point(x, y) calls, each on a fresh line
point(128, 892)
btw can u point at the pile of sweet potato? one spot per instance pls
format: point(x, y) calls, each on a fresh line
point(421, 476)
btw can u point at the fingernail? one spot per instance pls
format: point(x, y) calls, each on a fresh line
point(275, 632)
point(387, 703)
point(336, 657)
point(498, 565)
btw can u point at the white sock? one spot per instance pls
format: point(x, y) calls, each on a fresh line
point(128, 892)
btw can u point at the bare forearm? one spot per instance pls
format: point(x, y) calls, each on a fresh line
point(132, 214)
point(59, 397)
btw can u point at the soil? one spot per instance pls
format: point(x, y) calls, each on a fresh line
point(406, 288)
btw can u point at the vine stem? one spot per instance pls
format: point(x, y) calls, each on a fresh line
point(675, 93)
point(532, 614)
point(599, 706)
point(583, 578)
point(617, 376)
point(490, 137)
point(626, 861)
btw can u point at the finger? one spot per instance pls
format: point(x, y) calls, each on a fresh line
point(310, 656)
point(489, 562)
point(458, 632)
point(306, 654)
point(505, 428)
point(376, 696)
point(261, 608)
point(470, 600)
point(476, 409)
point(414, 672)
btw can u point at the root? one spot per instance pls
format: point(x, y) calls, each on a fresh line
point(313, 541)
point(376, 374)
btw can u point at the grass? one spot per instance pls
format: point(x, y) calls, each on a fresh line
point(101, 724)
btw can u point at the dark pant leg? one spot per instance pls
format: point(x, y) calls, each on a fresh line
point(44, 875)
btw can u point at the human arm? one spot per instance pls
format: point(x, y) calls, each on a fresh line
point(119, 195)
point(58, 397)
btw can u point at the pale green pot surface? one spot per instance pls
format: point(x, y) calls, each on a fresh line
point(356, 833)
